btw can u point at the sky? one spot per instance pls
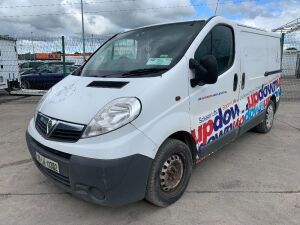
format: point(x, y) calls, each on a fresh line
point(43, 19)
point(62, 17)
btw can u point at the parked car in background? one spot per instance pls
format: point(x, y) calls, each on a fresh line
point(44, 66)
point(45, 77)
point(25, 66)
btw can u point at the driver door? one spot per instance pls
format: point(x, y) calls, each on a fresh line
point(214, 108)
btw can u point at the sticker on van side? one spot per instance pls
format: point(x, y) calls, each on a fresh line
point(230, 116)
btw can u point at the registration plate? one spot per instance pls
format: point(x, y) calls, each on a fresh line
point(48, 163)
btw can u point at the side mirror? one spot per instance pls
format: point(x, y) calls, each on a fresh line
point(206, 71)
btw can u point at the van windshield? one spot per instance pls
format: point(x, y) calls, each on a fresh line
point(143, 52)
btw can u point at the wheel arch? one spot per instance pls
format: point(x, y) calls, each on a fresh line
point(273, 99)
point(188, 139)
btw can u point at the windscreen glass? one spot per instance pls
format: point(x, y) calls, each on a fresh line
point(143, 52)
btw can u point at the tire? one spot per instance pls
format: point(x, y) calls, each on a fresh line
point(266, 125)
point(25, 84)
point(170, 173)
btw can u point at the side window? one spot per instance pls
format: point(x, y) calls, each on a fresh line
point(25, 65)
point(204, 48)
point(220, 43)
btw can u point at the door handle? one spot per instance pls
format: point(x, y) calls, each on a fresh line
point(235, 82)
point(243, 80)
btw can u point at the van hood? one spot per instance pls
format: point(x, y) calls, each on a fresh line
point(78, 99)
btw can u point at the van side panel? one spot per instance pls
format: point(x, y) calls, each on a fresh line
point(260, 66)
point(258, 57)
point(214, 112)
point(162, 115)
point(260, 53)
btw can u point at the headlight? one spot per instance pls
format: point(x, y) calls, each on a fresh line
point(41, 102)
point(114, 115)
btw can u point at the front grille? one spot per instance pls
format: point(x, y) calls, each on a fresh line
point(55, 176)
point(53, 129)
point(68, 135)
point(53, 151)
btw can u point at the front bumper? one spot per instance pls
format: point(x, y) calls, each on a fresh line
point(111, 182)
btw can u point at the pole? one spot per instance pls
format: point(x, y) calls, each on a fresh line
point(281, 45)
point(83, 35)
point(216, 8)
point(32, 46)
point(63, 54)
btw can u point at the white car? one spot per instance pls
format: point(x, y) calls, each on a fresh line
point(151, 103)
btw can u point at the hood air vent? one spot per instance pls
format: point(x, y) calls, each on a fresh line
point(107, 84)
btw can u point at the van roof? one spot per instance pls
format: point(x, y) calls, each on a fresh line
point(166, 23)
point(198, 20)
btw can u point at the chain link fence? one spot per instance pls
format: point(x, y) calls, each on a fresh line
point(36, 63)
point(44, 61)
point(291, 67)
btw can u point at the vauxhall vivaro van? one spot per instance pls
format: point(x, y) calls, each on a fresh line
point(152, 102)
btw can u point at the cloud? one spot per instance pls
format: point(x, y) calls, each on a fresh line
point(269, 15)
point(101, 17)
point(247, 9)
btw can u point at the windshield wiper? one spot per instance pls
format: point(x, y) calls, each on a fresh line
point(143, 71)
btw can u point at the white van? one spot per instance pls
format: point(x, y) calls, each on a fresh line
point(151, 103)
point(9, 69)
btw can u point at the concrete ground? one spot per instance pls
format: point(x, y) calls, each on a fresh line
point(255, 180)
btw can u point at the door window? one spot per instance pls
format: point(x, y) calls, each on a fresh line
point(219, 42)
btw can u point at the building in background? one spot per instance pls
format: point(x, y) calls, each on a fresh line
point(9, 69)
point(77, 58)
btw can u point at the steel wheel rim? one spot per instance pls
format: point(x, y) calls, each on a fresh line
point(269, 116)
point(171, 173)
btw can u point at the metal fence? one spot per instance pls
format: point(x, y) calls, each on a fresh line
point(41, 64)
point(45, 61)
point(291, 67)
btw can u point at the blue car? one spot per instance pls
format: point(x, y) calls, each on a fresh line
point(45, 77)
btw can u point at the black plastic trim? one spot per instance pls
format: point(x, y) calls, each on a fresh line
point(230, 136)
point(219, 143)
point(107, 84)
point(62, 131)
point(268, 73)
point(252, 123)
point(112, 182)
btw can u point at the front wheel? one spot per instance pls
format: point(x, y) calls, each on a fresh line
point(170, 173)
point(266, 125)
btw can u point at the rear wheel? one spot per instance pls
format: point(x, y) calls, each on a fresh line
point(170, 173)
point(266, 125)
point(25, 84)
